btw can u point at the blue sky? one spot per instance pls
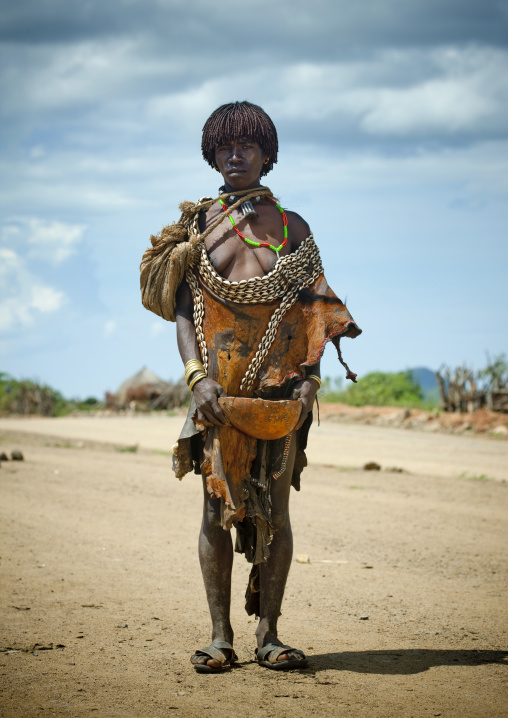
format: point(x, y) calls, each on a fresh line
point(393, 130)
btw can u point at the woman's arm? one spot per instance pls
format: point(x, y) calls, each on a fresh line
point(206, 391)
point(306, 390)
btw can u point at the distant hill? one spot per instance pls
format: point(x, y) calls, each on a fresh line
point(426, 378)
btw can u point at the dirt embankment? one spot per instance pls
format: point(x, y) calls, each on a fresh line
point(480, 422)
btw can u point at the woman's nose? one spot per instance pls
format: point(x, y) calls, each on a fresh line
point(236, 153)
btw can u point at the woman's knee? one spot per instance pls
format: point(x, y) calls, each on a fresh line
point(212, 513)
point(280, 518)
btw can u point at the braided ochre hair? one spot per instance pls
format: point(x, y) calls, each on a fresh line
point(240, 119)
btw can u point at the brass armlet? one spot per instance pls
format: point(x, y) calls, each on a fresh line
point(316, 378)
point(191, 367)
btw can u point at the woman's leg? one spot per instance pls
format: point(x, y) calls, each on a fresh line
point(273, 574)
point(216, 559)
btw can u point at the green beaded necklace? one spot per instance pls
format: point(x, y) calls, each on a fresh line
point(252, 242)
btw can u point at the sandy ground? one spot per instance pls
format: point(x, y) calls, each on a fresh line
point(402, 608)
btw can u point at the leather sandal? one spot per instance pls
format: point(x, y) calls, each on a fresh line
point(217, 652)
point(267, 657)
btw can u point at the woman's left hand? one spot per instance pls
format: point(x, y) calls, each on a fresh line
point(306, 390)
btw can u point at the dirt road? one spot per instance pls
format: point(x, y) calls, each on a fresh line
point(402, 608)
point(346, 445)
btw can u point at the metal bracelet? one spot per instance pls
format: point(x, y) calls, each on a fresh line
point(197, 378)
point(191, 367)
point(317, 378)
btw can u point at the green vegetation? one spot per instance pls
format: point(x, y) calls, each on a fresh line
point(475, 477)
point(128, 449)
point(91, 401)
point(30, 397)
point(379, 389)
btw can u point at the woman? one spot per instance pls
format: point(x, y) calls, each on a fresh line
point(244, 282)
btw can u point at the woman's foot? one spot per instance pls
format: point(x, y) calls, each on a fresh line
point(272, 653)
point(278, 656)
point(217, 657)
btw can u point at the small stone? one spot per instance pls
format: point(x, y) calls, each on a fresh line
point(303, 558)
point(372, 466)
point(364, 618)
point(3, 456)
point(16, 455)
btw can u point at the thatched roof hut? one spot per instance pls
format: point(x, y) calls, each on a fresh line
point(146, 391)
point(172, 398)
point(143, 386)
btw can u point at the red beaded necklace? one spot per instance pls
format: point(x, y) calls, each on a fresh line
point(252, 242)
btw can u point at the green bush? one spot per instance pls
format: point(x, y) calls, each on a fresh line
point(379, 389)
point(30, 397)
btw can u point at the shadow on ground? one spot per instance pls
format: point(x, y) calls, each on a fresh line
point(401, 662)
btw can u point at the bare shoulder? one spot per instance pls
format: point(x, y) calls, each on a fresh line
point(298, 229)
point(208, 216)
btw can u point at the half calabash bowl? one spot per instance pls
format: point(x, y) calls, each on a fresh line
point(262, 418)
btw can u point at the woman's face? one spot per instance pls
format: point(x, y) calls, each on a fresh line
point(240, 162)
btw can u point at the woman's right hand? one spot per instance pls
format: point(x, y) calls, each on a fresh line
point(206, 392)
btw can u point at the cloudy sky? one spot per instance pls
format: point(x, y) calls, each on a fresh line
point(393, 128)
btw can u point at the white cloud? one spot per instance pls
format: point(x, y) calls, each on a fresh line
point(109, 328)
point(37, 152)
point(54, 241)
point(157, 328)
point(401, 93)
point(444, 106)
point(465, 97)
point(9, 261)
point(23, 295)
point(13, 313)
point(46, 299)
point(50, 241)
point(60, 76)
point(191, 105)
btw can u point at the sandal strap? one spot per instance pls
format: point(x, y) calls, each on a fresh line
point(216, 652)
point(272, 651)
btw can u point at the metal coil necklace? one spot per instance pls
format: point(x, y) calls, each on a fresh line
point(252, 242)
